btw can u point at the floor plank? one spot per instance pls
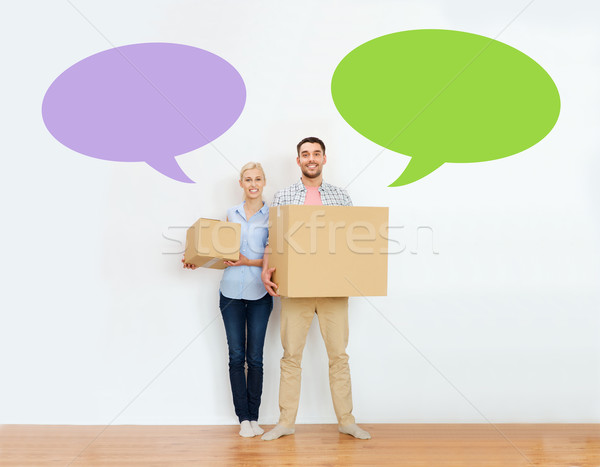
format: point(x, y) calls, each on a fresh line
point(414, 445)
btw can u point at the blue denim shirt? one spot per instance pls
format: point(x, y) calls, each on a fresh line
point(244, 282)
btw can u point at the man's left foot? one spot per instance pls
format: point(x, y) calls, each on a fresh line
point(354, 430)
point(277, 432)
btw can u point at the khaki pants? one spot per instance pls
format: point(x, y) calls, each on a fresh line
point(296, 316)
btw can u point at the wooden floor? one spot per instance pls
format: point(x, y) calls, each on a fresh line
point(411, 445)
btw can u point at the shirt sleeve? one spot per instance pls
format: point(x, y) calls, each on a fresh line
point(266, 238)
point(276, 199)
point(347, 199)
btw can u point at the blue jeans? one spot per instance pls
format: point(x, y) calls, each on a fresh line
point(246, 347)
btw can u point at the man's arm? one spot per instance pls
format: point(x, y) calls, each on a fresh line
point(267, 273)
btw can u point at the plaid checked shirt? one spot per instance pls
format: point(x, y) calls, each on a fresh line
point(295, 194)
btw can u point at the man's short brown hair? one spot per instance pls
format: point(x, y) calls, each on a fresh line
point(311, 139)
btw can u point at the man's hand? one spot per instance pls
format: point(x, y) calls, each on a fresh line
point(243, 261)
point(188, 265)
point(269, 284)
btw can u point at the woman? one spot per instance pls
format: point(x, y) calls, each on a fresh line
point(244, 302)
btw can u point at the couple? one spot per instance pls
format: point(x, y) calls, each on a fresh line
point(246, 301)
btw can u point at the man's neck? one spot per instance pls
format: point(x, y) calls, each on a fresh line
point(312, 181)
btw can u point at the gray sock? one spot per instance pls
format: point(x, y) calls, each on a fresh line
point(277, 432)
point(246, 429)
point(354, 430)
point(256, 428)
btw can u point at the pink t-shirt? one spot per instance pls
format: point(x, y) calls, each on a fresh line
point(313, 196)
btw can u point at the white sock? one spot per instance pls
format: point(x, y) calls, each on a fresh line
point(256, 428)
point(354, 430)
point(277, 432)
point(246, 429)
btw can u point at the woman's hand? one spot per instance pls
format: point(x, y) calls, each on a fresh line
point(243, 261)
point(188, 265)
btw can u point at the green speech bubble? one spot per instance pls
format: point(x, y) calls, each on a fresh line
point(444, 96)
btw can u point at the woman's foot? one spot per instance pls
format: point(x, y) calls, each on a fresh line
point(246, 429)
point(256, 428)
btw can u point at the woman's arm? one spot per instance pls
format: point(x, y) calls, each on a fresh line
point(243, 261)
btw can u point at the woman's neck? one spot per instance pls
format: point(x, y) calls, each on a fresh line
point(254, 204)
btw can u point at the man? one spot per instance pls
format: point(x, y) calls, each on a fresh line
point(298, 313)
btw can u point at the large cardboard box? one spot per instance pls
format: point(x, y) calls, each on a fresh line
point(209, 243)
point(329, 251)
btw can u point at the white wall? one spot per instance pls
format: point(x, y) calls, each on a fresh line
point(100, 324)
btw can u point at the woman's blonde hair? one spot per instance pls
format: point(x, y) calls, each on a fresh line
point(250, 166)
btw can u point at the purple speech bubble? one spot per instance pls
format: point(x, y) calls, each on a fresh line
point(144, 102)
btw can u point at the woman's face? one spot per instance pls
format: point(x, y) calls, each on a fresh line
point(253, 183)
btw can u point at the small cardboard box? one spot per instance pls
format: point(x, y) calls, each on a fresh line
point(329, 251)
point(210, 242)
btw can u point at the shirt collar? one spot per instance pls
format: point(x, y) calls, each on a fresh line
point(240, 208)
point(302, 187)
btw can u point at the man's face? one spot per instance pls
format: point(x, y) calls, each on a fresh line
point(311, 160)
